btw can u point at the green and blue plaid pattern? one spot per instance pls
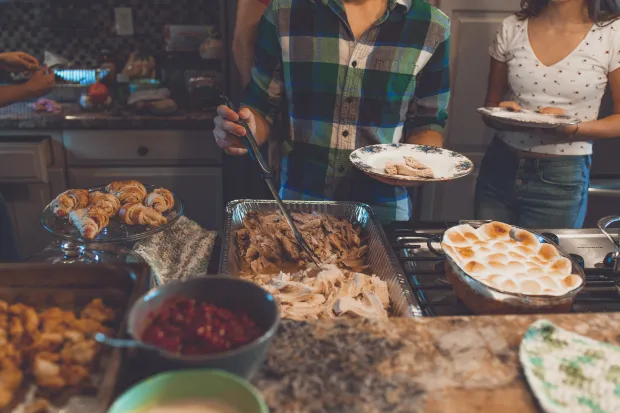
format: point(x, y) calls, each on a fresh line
point(344, 94)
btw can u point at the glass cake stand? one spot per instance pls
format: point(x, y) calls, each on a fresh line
point(73, 248)
point(67, 252)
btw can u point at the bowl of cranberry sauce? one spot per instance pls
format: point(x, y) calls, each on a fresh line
point(206, 322)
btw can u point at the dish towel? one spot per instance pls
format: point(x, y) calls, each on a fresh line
point(569, 373)
point(179, 252)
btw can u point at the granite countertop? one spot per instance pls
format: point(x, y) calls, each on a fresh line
point(22, 116)
point(438, 365)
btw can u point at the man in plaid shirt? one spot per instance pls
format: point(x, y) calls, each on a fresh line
point(355, 73)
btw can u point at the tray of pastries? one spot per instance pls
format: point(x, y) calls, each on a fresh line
point(122, 211)
point(48, 315)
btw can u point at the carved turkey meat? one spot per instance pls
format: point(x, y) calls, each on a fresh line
point(266, 244)
point(327, 293)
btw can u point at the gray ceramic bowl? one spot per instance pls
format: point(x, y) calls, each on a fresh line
point(226, 292)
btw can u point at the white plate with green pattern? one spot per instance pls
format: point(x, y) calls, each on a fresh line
point(445, 165)
point(569, 373)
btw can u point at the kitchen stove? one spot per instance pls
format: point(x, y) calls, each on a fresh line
point(424, 268)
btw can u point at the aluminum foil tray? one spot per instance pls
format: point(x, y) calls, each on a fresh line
point(381, 258)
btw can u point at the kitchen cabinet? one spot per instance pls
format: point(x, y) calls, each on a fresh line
point(200, 188)
point(25, 204)
point(473, 28)
point(25, 160)
point(31, 169)
point(141, 147)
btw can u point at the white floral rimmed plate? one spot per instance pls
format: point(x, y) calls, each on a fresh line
point(527, 118)
point(445, 164)
point(570, 373)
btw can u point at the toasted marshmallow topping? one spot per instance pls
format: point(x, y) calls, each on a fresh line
point(514, 264)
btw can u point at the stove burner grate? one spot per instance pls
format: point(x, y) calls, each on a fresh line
point(417, 251)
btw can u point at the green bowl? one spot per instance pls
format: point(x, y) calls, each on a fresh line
point(177, 386)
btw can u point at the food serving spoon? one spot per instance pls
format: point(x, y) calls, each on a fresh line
point(123, 343)
point(250, 143)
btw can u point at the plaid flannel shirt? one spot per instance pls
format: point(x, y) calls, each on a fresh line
point(343, 95)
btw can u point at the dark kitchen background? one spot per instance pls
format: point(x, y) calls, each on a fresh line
point(79, 29)
point(96, 145)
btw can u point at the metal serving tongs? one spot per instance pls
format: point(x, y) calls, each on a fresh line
point(250, 143)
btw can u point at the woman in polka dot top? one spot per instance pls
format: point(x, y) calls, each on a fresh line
point(555, 56)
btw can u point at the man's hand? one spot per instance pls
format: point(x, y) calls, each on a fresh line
point(18, 62)
point(227, 132)
point(40, 83)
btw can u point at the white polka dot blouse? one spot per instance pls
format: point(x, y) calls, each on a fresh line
point(576, 83)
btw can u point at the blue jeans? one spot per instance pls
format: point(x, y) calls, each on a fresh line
point(532, 193)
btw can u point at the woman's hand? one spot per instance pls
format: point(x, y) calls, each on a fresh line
point(510, 105)
point(552, 111)
point(227, 132)
point(498, 125)
point(566, 130)
point(40, 83)
point(18, 62)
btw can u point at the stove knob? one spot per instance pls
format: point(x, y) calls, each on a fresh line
point(609, 259)
point(551, 237)
point(578, 259)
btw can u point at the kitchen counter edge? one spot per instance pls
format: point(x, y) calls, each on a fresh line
point(20, 116)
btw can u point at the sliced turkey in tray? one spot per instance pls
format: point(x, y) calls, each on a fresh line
point(266, 242)
point(360, 275)
point(327, 293)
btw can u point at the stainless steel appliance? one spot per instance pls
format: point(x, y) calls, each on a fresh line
point(424, 269)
